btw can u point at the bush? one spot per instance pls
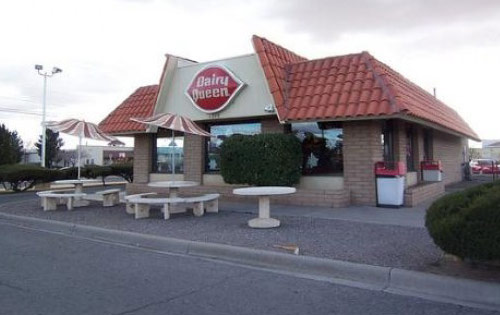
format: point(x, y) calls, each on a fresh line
point(20, 177)
point(95, 171)
point(467, 223)
point(125, 170)
point(261, 160)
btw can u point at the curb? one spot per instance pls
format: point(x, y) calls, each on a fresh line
point(392, 280)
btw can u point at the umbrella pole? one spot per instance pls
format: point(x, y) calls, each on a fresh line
point(79, 154)
point(173, 154)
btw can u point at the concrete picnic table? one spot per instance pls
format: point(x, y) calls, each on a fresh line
point(78, 185)
point(264, 220)
point(173, 186)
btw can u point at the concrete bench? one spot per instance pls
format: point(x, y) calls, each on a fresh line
point(50, 199)
point(210, 202)
point(142, 205)
point(129, 207)
point(110, 197)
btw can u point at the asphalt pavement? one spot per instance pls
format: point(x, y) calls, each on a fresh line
point(51, 273)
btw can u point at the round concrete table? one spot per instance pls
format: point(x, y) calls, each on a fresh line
point(78, 184)
point(173, 186)
point(264, 220)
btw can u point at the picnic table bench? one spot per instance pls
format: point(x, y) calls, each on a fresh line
point(208, 203)
point(129, 206)
point(110, 197)
point(50, 199)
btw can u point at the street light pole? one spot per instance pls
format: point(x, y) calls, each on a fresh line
point(45, 74)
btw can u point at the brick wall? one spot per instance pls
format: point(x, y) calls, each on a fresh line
point(420, 193)
point(362, 148)
point(419, 148)
point(400, 141)
point(449, 150)
point(143, 146)
point(194, 153)
point(324, 198)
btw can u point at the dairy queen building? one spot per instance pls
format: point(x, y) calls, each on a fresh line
point(349, 112)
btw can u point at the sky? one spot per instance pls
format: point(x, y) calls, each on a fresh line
point(109, 48)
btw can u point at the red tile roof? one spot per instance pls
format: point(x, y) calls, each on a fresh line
point(273, 59)
point(347, 87)
point(141, 103)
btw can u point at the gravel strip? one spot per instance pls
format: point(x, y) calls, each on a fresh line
point(375, 244)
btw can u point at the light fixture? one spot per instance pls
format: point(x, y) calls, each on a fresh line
point(269, 108)
point(45, 74)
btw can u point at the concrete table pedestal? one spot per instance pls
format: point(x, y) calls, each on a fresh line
point(264, 221)
point(78, 185)
point(173, 189)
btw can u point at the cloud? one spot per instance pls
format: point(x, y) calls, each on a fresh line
point(326, 19)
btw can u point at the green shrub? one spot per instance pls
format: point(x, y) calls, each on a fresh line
point(125, 170)
point(20, 177)
point(261, 160)
point(467, 223)
point(95, 171)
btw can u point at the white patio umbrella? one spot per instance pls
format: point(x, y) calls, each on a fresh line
point(81, 129)
point(175, 123)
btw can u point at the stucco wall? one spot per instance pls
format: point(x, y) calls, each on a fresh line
point(250, 101)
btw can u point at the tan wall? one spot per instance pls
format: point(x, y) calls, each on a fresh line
point(194, 152)
point(449, 150)
point(418, 194)
point(157, 177)
point(306, 182)
point(321, 182)
point(362, 148)
point(400, 141)
point(412, 179)
point(143, 145)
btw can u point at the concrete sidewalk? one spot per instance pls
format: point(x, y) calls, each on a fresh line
point(410, 217)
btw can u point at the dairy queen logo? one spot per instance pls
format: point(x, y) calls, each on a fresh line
point(213, 88)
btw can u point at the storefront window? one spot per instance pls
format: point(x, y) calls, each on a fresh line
point(221, 132)
point(428, 145)
point(388, 141)
point(321, 148)
point(410, 149)
point(169, 155)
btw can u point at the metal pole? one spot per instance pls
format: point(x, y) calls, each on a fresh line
point(173, 155)
point(79, 154)
point(44, 128)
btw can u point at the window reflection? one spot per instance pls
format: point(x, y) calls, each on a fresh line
point(219, 134)
point(321, 148)
point(169, 155)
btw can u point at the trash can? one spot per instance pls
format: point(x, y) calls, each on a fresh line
point(432, 171)
point(390, 183)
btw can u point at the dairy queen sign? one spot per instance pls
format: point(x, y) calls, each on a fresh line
point(213, 88)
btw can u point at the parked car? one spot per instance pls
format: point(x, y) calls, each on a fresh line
point(484, 166)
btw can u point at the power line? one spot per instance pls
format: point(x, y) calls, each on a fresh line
point(25, 100)
point(19, 111)
point(19, 99)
